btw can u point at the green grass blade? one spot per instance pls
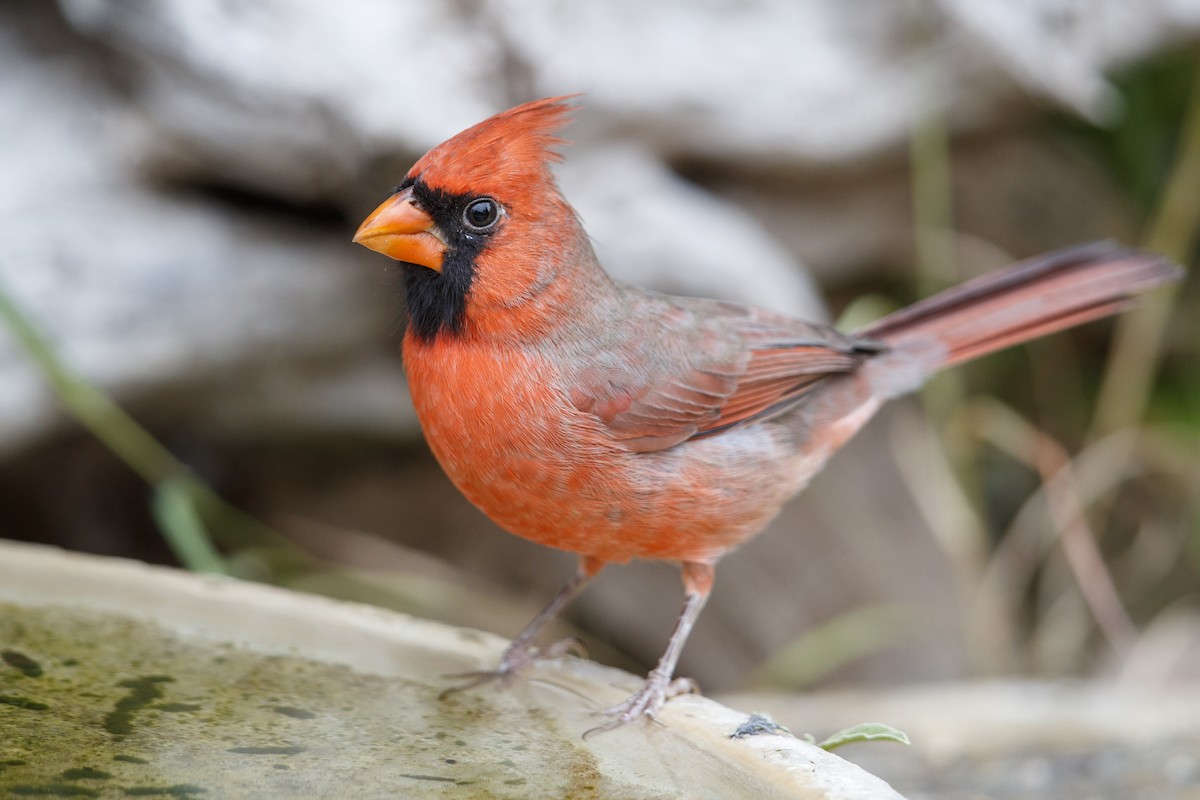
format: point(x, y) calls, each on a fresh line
point(180, 522)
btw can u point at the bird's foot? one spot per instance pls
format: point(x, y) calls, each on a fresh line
point(658, 689)
point(516, 658)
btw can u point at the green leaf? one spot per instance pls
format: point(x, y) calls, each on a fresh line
point(865, 732)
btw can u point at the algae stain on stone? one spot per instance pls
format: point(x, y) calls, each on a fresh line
point(129, 759)
point(177, 790)
point(295, 713)
point(81, 720)
point(18, 660)
point(435, 778)
point(85, 773)
point(23, 702)
point(52, 790)
point(144, 691)
point(244, 698)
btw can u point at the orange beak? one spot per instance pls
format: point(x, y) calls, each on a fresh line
point(401, 230)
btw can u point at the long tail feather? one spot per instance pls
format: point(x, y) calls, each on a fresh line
point(1029, 299)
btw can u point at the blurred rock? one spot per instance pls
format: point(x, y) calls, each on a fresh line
point(1015, 193)
point(257, 88)
point(162, 295)
point(1060, 49)
point(146, 290)
point(653, 229)
point(290, 98)
point(772, 81)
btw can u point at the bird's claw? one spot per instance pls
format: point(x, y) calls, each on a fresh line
point(647, 702)
point(516, 658)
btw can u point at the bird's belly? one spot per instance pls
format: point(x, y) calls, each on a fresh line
point(542, 469)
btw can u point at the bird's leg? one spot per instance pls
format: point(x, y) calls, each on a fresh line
point(522, 651)
point(661, 685)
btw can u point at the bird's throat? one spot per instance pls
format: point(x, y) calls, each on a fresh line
point(437, 301)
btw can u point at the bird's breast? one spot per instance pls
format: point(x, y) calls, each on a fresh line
point(502, 425)
point(508, 437)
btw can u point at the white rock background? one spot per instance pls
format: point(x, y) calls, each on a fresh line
point(181, 178)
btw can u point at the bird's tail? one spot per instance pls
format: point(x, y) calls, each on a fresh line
point(1020, 302)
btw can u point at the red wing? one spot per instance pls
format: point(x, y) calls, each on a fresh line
point(765, 374)
point(775, 379)
point(664, 414)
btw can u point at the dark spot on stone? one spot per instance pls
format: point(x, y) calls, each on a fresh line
point(428, 778)
point(144, 691)
point(53, 790)
point(267, 751)
point(29, 667)
point(85, 773)
point(296, 713)
point(178, 790)
point(22, 702)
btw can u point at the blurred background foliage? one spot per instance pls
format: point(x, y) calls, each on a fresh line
point(1060, 482)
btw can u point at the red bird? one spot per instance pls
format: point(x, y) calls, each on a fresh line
point(618, 423)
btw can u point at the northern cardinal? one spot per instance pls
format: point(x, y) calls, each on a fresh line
point(619, 423)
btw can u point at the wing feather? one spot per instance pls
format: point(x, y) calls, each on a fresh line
point(742, 365)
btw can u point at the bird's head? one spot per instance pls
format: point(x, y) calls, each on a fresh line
point(478, 220)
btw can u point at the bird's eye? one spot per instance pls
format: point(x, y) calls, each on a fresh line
point(481, 214)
